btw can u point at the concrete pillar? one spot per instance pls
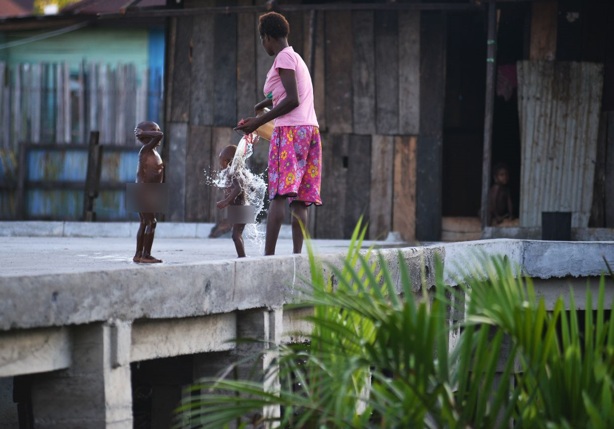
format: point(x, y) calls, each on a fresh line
point(8, 409)
point(95, 392)
point(263, 325)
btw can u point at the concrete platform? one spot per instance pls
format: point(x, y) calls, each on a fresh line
point(37, 248)
point(76, 313)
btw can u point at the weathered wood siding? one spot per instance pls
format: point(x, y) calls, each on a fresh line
point(368, 99)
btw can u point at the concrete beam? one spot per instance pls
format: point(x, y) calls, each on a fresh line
point(545, 260)
point(32, 351)
point(153, 339)
point(219, 287)
point(553, 289)
point(197, 290)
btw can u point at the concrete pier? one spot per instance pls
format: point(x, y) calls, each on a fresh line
point(85, 333)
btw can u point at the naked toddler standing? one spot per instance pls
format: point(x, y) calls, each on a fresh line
point(150, 170)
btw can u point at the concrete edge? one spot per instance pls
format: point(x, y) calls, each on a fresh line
point(111, 229)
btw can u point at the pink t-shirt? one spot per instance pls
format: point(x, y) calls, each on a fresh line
point(304, 113)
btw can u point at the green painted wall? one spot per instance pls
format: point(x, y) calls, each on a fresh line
point(107, 46)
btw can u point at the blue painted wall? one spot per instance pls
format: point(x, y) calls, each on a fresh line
point(71, 166)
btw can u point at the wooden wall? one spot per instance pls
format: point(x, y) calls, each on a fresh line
point(368, 76)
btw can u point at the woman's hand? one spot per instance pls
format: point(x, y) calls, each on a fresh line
point(248, 125)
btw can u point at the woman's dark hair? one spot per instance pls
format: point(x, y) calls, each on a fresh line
point(274, 25)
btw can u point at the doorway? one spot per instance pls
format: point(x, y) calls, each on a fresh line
point(464, 115)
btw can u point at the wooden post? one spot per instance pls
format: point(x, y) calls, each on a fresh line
point(404, 187)
point(609, 171)
point(429, 151)
point(313, 19)
point(491, 69)
point(22, 177)
point(92, 179)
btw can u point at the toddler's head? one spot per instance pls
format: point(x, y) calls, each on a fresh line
point(501, 174)
point(145, 126)
point(226, 155)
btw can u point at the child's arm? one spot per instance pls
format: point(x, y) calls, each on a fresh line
point(154, 138)
point(234, 193)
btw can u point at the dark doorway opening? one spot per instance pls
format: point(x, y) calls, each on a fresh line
point(465, 103)
point(464, 115)
point(512, 45)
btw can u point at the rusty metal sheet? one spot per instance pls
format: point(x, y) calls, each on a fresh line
point(559, 105)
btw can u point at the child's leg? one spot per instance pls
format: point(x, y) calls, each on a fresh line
point(275, 217)
point(148, 237)
point(237, 237)
point(299, 221)
point(139, 239)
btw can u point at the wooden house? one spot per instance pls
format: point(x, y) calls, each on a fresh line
point(416, 102)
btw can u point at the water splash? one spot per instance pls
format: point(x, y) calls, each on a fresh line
point(253, 185)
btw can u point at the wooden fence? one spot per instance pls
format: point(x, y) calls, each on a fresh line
point(52, 104)
point(49, 103)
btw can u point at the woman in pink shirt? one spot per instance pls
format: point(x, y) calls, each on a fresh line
point(295, 153)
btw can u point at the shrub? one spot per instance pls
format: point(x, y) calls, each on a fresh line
point(379, 357)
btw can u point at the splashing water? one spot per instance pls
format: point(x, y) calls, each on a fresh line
point(253, 185)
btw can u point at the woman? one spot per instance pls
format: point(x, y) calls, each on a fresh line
point(295, 153)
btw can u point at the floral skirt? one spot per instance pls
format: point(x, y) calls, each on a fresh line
point(295, 164)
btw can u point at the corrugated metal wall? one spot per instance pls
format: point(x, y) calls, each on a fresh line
point(559, 105)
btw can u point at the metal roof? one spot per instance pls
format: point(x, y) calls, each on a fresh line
point(95, 7)
point(10, 8)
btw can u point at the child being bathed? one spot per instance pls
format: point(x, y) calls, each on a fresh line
point(234, 196)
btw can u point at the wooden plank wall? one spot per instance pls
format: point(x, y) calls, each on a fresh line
point(367, 96)
point(543, 30)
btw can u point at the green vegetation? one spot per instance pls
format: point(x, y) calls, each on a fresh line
point(380, 356)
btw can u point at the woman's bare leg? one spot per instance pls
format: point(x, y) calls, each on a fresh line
point(275, 217)
point(299, 221)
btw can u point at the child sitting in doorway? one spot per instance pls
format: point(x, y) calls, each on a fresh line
point(500, 206)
